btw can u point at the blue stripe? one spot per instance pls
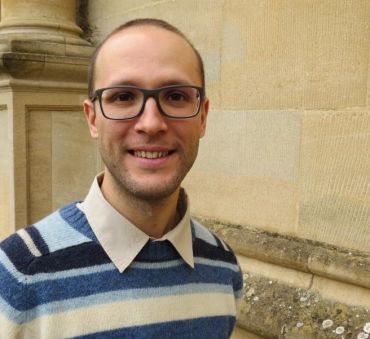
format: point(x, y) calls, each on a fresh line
point(111, 297)
point(85, 255)
point(11, 313)
point(42, 277)
point(205, 250)
point(202, 233)
point(11, 289)
point(58, 234)
point(77, 219)
point(16, 252)
point(7, 268)
point(46, 291)
point(37, 239)
point(216, 263)
point(219, 327)
point(77, 272)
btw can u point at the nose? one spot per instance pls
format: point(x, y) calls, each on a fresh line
point(151, 121)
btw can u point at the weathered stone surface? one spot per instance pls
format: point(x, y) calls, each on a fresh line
point(40, 17)
point(28, 66)
point(273, 309)
point(288, 286)
point(300, 254)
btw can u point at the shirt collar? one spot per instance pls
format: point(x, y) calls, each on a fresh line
point(122, 240)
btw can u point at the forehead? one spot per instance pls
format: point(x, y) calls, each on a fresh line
point(146, 48)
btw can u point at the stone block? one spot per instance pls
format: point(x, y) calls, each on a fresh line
point(38, 47)
point(256, 144)
point(39, 152)
point(290, 277)
point(65, 69)
point(23, 65)
point(296, 253)
point(74, 157)
point(62, 158)
point(291, 54)
point(5, 174)
point(274, 306)
point(239, 333)
point(335, 179)
point(341, 292)
point(268, 203)
point(247, 169)
point(74, 50)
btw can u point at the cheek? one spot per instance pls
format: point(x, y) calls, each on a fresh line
point(112, 131)
point(189, 137)
point(190, 130)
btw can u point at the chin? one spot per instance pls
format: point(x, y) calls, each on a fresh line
point(153, 194)
point(151, 190)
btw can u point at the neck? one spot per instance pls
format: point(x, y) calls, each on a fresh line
point(153, 217)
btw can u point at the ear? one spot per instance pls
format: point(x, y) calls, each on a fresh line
point(91, 118)
point(203, 117)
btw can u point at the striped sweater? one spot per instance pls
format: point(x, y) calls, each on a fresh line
point(56, 281)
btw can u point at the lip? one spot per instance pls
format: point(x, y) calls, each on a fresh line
point(151, 148)
point(155, 162)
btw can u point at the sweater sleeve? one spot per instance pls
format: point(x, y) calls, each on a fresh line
point(13, 298)
point(238, 284)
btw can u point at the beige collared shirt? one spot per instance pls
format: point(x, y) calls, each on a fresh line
point(122, 240)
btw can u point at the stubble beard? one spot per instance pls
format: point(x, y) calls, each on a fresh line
point(129, 187)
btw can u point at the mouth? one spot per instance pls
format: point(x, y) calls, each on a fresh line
point(150, 154)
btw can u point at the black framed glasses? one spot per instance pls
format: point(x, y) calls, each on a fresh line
point(128, 102)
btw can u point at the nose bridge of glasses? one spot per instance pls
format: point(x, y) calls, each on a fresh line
point(151, 93)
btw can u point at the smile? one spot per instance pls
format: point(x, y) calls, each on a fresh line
point(150, 155)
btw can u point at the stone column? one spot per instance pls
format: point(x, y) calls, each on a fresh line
point(45, 19)
point(43, 72)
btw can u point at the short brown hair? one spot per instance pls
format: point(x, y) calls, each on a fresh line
point(136, 23)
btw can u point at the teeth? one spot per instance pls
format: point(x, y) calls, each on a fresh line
point(150, 155)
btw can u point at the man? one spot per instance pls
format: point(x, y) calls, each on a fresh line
point(128, 261)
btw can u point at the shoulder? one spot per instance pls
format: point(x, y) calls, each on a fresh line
point(210, 250)
point(39, 254)
point(54, 233)
point(208, 244)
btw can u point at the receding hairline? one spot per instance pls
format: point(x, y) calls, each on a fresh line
point(137, 24)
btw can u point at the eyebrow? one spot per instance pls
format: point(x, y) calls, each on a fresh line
point(165, 83)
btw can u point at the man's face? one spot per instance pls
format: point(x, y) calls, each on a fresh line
point(149, 156)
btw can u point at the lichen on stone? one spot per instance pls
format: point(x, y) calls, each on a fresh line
point(327, 323)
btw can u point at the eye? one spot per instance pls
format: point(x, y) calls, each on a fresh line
point(123, 96)
point(176, 96)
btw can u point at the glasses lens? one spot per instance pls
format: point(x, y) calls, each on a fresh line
point(180, 102)
point(126, 102)
point(121, 102)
